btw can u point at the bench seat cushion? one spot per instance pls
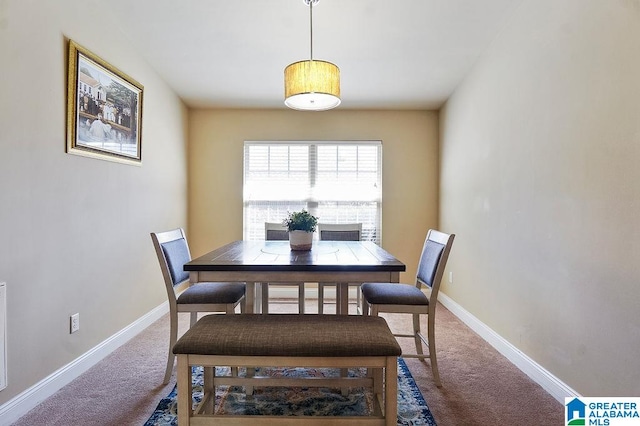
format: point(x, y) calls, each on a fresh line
point(289, 335)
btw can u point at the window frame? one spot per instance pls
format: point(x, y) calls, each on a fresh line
point(314, 170)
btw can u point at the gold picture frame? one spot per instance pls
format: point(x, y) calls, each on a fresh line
point(104, 109)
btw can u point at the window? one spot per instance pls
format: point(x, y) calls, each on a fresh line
point(340, 182)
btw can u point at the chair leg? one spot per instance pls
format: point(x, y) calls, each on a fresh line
point(194, 319)
point(374, 310)
point(416, 334)
point(431, 335)
point(173, 337)
point(365, 307)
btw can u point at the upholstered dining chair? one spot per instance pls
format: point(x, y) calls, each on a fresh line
point(411, 299)
point(173, 252)
point(338, 232)
point(277, 231)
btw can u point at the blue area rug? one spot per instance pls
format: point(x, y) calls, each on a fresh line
point(412, 408)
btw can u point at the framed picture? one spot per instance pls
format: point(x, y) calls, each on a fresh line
point(104, 109)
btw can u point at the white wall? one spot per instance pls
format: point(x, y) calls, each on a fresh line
point(540, 180)
point(74, 231)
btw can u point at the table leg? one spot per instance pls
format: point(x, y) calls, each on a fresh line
point(342, 293)
point(265, 298)
point(250, 293)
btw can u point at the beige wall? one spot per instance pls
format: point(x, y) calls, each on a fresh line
point(410, 168)
point(541, 182)
point(75, 230)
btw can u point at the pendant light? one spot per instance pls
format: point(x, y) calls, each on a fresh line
point(312, 85)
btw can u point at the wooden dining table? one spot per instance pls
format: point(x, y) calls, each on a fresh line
point(258, 262)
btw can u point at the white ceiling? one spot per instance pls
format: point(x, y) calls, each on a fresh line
point(392, 54)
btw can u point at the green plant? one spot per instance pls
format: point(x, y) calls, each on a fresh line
point(300, 221)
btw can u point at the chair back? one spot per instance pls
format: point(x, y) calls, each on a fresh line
point(433, 260)
point(275, 231)
point(340, 232)
point(173, 252)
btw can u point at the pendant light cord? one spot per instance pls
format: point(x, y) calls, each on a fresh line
point(311, 26)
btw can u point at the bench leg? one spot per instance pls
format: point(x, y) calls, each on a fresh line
point(378, 380)
point(209, 389)
point(248, 389)
point(344, 372)
point(391, 392)
point(184, 390)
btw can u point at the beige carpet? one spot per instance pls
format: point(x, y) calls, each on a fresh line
point(480, 387)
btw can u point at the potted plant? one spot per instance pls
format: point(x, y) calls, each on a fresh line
point(301, 226)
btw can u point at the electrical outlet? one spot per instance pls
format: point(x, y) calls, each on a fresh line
point(450, 277)
point(75, 323)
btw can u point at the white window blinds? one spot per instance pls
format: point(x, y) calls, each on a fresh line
point(340, 182)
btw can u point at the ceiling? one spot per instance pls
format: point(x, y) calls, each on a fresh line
point(392, 54)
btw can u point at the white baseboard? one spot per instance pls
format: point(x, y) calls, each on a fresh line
point(18, 406)
point(554, 386)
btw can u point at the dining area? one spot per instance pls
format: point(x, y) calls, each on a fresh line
point(239, 275)
point(77, 228)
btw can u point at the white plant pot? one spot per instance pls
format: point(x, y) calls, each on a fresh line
point(300, 240)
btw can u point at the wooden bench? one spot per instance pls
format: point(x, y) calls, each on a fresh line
point(320, 341)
